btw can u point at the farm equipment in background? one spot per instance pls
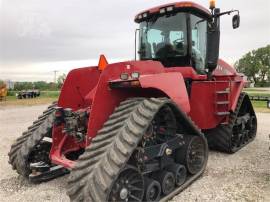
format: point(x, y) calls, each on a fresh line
point(25, 94)
point(3, 91)
point(261, 98)
point(139, 130)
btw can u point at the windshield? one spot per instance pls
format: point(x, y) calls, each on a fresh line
point(164, 39)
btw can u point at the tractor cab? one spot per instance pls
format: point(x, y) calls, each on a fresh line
point(183, 34)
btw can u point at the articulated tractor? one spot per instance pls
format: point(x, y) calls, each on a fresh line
point(140, 130)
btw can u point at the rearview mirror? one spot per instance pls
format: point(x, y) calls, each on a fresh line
point(236, 21)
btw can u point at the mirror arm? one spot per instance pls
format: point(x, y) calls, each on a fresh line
point(225, 13)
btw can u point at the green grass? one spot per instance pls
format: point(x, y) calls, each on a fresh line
point(260, 106)
point(258, 94)
point(50, 94)
point(256, 89)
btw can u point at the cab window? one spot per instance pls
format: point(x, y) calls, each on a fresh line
point(199, 42)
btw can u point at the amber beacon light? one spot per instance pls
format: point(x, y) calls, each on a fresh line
point(212, 4)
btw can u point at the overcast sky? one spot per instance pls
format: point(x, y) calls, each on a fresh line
point(40, 36)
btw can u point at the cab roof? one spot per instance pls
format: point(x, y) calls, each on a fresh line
point(177, 6)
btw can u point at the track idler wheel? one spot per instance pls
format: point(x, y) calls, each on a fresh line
point(129, 186)
point(180, 173)
point(166, 180)
point(193, 154)
point(152, 190)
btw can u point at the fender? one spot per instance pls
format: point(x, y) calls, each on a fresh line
point(236, 89)
point(154, 83)
point(171, 84)
point(78, 84)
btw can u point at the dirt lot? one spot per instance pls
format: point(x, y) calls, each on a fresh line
point(244, 176)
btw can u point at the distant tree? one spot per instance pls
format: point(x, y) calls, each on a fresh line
point(53, 86)
point(23, 86)
point(256, 65)
point(41, 85)
point(60, 80)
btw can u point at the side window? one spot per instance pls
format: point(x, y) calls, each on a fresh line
point(199, 42)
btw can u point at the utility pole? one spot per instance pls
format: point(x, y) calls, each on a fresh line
point(55, 72)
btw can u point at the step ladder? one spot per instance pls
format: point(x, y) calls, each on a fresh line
point(222, 104)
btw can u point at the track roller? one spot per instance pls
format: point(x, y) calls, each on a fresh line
point(180, 173)
point(152, 190)
point(166, 180)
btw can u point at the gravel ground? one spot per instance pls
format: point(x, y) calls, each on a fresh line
point(244, 176)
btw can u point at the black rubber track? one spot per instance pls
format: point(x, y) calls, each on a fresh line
point(25, 143)
point(94, 173)
point(220, 138)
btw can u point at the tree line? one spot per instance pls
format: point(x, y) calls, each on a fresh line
point(256, 66)
point(40, 85)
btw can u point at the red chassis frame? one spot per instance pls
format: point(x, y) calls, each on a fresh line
point(90, 88)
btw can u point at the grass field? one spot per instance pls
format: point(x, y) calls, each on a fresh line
point(260, 106)
point(257, 90)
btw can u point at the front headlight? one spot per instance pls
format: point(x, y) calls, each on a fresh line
point(124, 76)
point(135, 75)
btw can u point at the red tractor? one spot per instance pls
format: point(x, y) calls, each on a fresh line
point(139, 130)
